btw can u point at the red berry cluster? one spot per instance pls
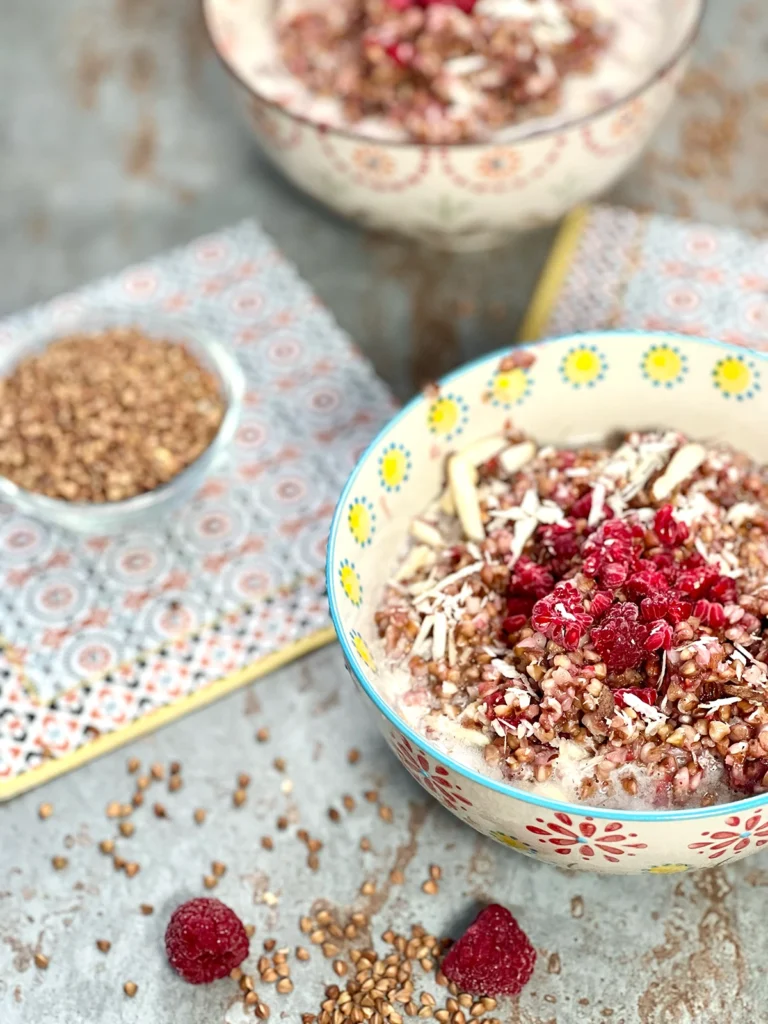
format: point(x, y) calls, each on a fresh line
point(644, 590)
point(466, 6)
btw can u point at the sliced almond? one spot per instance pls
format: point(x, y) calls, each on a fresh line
point(513, 459)
point(427, 534)
point(682, 465)
point(482, 450)
point(417, 558)
point(465, 497)
point(445, 502)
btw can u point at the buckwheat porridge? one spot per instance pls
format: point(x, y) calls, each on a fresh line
point(446, 71)
point(590, 621)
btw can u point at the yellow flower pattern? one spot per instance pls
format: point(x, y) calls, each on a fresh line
point(363, 650)
point(362, 521)
point(447, 416)
point(509, 387)
point(583, 366)
point(350, 582)
point(663, 365)
point(736, 378)
point(512, 843)
point(394, 466)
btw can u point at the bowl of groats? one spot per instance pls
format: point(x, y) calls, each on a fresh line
point(456, 122)
point(112, 422)
point(549, 576)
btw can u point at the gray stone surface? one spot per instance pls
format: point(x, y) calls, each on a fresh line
point(119, 139)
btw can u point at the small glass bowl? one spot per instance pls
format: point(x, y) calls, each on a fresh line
point(152, 506)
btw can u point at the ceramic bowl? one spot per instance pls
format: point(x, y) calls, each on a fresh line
point(151, 507)
point(583, 386)
point(457, 197)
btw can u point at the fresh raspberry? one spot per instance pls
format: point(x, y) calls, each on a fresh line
point(561, 543)
point(669, 531)
point(620, 639)
point(660, 636)
point(613, 544)
point(513, 622)
point(710, 613)
point(695, 583)
point(723, 590)
point(581, 508)
point(645, 693)
point(561, 616)
point(678, 611)
point(646, 583)
point(493, 957)
point(519, 605)
point(205, 940)
point(600, 603)
point(530, 580)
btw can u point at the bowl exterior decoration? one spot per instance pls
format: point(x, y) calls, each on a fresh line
point(570, 390)
point(457, 197)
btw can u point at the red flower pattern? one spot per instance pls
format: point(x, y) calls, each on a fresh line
point(753, 831)
point(435, 779)
point(587, 837)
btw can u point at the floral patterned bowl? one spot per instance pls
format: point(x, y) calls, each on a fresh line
point(586, 385)
point(458, 197)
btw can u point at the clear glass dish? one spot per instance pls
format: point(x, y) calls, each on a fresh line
point(152, 506)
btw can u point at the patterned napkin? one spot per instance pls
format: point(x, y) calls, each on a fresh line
point(613, 268)
point(106, 638)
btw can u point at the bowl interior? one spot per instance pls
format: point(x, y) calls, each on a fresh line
point(649, 36)
point(578, 389)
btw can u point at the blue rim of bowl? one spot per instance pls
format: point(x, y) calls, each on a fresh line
point(680, 53)
point(580, 810)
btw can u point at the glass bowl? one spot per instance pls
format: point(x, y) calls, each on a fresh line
point(151, 506)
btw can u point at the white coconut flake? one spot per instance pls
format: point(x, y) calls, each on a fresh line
point(505, 669)
point(647, 711)
point(742, 512)
point(523, 531)
point(439, 636)
point(723, 702)
point(452, 578)
point(421, 637)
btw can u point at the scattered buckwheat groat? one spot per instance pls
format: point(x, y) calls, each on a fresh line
point(205, 940)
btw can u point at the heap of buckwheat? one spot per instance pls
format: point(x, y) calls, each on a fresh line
point(106, 416)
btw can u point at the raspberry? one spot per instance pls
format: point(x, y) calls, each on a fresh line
point(654, 607)
point(678, 611)
point(645, 693)
point(695, 583)
point(561, 616)
point(723, 590)
point(669, 531)
point(600, 604)
point(646, 583)
point(659, 636)
point(205, 940)
point(494, 956)
point(514, 622)
point(518, 605)
point(561, 543)
point(581, 508)
point(530, 579)
point(612, 545)
point(710, 613)
point(620, 639)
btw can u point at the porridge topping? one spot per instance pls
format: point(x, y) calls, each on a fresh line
point(442, 71)
point(592, 619)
